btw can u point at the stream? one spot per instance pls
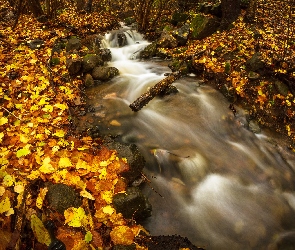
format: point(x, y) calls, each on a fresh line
point(212, 180)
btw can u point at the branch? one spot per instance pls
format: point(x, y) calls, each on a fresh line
point(158, 89)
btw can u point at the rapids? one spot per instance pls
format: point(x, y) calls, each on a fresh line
point(211, 179)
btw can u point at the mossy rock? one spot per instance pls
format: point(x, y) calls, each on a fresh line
point(203, 26)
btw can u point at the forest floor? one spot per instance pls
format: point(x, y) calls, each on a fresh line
point(39, 143)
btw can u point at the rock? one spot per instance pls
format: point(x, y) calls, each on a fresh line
point(182, 66)
point(106, 55)
point(134, 158)
point(61, 197)
point(104, 73)
point(179, 17)
point(42, 19)
point(118, 38)
point(203, 26)
point(149, 51)
point(281, 88)
point(123, 247)
point(89, 82)
point(73, 44)
point(36, 44)
point(255, 63)
point(90, 61)
point(210, 8)
point(254, 127)
point(181, 34)
point(132, 204)
point(74, 66)
point(167, 40)
point(92, 42)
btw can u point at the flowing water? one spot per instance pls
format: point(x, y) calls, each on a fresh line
point(212, 180)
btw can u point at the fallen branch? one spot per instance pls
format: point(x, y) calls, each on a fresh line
point(158, 89)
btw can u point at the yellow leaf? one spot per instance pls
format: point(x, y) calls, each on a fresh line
point(61, 106)
point(64, 162)
point(1, 136)
point(35, 174)
point(108, 209)
point(107, 196)
point(5, 205)
point(48, 108)
point(87, 195)
point(2, 190)
point(41, 197)
point(43, 101)
point(122, 235)
point(8, 180)
point(40, 231)
point(46, 167)
point(59, 133)
point(23, 138)
point(3, 120)
point(74, 216)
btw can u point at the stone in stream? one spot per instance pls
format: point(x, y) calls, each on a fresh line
point(104, 73)
point(132, 204)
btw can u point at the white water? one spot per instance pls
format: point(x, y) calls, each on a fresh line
point(216, 183)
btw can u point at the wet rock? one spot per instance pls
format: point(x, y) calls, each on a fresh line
point(118, 38)
point(284, 241)
point(171, 242)
point(104, 73)
point(90, 61)
point(74, 66)
point(42, 19)
point(106, 55)
point(255, 63)
point(203, 26)
point(61, 197)
point(73, 44)
point(132, 204)
point(149, 51)
point(281, 88)
point(167, 40)
point(254, 127)
point(181, 34)
point(134, 158)
point(89, 82)
point(36, 44)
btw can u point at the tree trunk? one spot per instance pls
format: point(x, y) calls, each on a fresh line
point(231, 9)
point(35, 7)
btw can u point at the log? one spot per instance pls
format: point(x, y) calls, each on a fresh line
point(158, 89)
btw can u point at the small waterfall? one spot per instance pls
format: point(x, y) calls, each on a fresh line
point(213, 180)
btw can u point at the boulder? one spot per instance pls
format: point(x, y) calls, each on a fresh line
point(179, 17)
point(132, 204)
point(134, 158)
point(104, 73)
point(149, 51)
point(255, 63)
point(181, 34)
point(74, 66)
point(281, 87)
point(167, 40)
point(203, 26)
point(89, 82)
point(211, 8)
point(92, 42)
point(73, 44)
point(60, 197)
point(118, 38)
point(90, 61)
point(106, 55)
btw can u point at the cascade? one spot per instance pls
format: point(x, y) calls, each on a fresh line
point(213, 180)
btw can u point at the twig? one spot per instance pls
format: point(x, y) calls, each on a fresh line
point(11, 113)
